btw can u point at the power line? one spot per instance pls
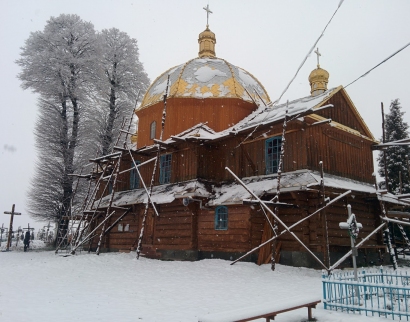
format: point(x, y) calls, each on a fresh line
point(395, 53)
point(301, 65)
point(310, 51)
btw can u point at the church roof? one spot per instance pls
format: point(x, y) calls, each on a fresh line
point(234, 193)
point(266, 115)
point(206, 77)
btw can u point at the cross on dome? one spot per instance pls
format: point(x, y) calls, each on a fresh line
point(208, 11)
point(318, 54)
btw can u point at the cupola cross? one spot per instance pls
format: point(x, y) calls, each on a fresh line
point(208, 11)
point(318, 54)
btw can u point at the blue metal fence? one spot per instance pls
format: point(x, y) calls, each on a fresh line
point(376, 292)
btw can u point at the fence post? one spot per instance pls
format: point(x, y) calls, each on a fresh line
point(324, 289)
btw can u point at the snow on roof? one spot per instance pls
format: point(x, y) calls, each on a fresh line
point(206, 77)
point(160, 194)
point(344, 183)
point(390, 198)
point(271, 114)
point(262, 115)
point(234, 193)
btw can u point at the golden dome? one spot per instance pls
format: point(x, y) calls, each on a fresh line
point(207, 41)
point(318, 80)
point(206, 77)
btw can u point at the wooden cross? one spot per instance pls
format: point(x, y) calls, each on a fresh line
point(12, 213)
point(208, 11)
point(28, 228)
point(318, 54)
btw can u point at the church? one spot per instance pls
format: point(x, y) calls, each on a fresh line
point(205, 116)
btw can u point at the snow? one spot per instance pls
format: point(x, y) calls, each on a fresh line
point(160, 88)
point(259, 310)
point(205, 73)
point(160, 194)
point(233, 192)
point(42, 286)
point(292, 181)
point(197, 78)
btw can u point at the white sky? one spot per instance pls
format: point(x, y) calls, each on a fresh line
point(267, 38)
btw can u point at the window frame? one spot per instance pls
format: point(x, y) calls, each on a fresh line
point(165, 168)
point(152, 130)
point(134, 177)
point(274, 143)
point(221, 223)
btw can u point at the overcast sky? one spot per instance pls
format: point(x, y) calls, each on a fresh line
point(267, 38)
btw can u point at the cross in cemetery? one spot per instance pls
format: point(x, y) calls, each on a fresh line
point(28, 228)
point(2, 229)
point(12, 213)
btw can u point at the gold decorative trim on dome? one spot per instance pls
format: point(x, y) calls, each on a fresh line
point(206, 77)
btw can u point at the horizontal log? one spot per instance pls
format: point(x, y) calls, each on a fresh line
point(231, 225)
point(173, 220)
point(176, 233)
point(223, 238)
point(175, 226)
point(230, 231)
point(172, 241)
point(226, 247)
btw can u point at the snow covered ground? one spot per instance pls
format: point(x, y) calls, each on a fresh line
point(41, 286)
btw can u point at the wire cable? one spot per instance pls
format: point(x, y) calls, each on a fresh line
point(297, 71)
point(365, 74)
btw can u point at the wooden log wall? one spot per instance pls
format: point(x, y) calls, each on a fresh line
point(116, 239)
point(175, 228)
point(342, 113)
point(184, 113)
point(311, 231)
point(342, 153)
point(237, 238)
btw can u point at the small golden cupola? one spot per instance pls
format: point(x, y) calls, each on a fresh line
point(207, 39)
point(318, 78)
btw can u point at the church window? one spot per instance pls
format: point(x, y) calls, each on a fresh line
point(272, 154)
point(134, 178)
point(165, 169)
point(221, 218)
point(153, 128)
point(110, 187)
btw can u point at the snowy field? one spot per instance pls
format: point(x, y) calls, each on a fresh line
point(41, 286)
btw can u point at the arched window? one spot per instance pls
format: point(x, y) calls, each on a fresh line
point(221, 218)
point(153, 128)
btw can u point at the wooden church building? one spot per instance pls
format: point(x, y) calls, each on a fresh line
point(218, 115)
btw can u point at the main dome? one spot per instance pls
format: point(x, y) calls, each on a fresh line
point(206, 77)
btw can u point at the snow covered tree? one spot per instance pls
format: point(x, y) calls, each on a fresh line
point(121, 77)
point(57, 63)
point(395, 129)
